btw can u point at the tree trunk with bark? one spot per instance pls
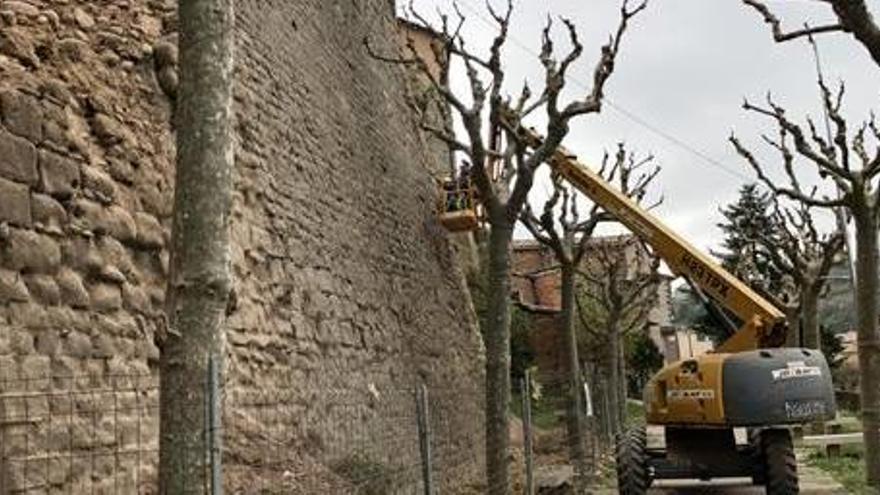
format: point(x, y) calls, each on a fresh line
point(868, 339)
point(577, 433)
point(621, 383)
point(497, 342)
point(199, 281)
point(793, 320)
point(810, 315)
point(614, 377)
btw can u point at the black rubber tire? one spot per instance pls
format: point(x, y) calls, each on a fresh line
point(633, 477)
point(756, 452)
point(780, 462)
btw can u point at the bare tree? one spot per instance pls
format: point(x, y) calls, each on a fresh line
point(797, 249)
point(618, 291)
point(568, 242)
point(853, 17)
point(504, 193)
point(845, 161)
point(200, 280)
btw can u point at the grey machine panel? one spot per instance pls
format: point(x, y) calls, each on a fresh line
point(777, 386)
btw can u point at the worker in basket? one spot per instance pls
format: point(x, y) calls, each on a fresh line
point(458, 204)
point(458, 189)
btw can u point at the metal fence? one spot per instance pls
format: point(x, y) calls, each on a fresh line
point(543, 408)
point(78, 434)
point(99, 434)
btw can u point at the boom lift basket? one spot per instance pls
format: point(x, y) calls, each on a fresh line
point(457, 206)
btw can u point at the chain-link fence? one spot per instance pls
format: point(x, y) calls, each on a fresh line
point(99, 433)
point(550, 447)
point(79, 434)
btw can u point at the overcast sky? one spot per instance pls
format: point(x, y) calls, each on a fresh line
point(684, 68)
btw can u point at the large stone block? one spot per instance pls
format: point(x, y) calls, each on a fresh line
point(98, 185)
point(150, 234)
point(16, 43)
point(106, 297)
point(113, 220)
point(37, 368)
point(120, 224)
point(103, 346)
point(43, 289)
point(73, 292)
point(77, 345)
point(47, 343)
point(15, 203)
point(136, 299)
point(48, 213)
point(83, 255)
point(8, 369)
point(12, 287)
point(29, 251)
point(59, 175)
point(18, 159)
point(21, 114)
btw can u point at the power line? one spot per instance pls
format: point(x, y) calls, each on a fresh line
point(627, 114)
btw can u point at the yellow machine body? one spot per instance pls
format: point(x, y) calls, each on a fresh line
point(680, 395)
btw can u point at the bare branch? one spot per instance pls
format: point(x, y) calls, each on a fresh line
point(776, 25)
point(532, 224)
point(790, 193)
point(593, 101)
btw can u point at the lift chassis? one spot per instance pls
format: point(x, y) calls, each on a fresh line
point(749, 381)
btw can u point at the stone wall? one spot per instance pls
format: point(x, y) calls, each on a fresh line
point(85, 196)
point(345, 279)
point(345, 283)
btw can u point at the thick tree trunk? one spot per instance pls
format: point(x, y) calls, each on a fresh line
point(859, 21)
point(497, 341)
point(793, 319)
point(614, 376)
point(576, 421)
point(810, 317)
point(621, 382)
point(869, 343)
point(199, 280)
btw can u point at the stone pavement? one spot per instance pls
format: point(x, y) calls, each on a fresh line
point(813, 481)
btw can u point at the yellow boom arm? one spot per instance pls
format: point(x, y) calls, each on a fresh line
point(764, 324)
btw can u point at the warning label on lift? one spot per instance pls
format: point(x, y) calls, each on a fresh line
point(691, 394)
point(796, 369)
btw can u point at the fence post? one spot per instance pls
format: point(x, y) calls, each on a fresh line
point(526, 391)
point(588, 415)
point(215, 447)
point(424, 425)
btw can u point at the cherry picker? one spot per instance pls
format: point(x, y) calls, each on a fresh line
point(749, 381)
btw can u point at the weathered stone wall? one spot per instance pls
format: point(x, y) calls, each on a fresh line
point(345, 280)
point(85, 197)
point(345, 284)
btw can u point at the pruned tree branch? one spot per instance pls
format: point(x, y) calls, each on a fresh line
point(853, 17)
point(776, 25)
point(567, 235)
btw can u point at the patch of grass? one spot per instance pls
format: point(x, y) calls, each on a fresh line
point(548, 412)
point(635, 412)
point(848, 469)
point(849, 422)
